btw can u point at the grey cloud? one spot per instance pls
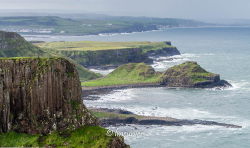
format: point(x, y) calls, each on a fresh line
point(201, 9)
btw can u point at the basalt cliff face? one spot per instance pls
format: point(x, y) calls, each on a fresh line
point(39, 95)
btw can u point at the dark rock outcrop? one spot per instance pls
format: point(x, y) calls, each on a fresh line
point(190, 74)
point(39, 95)
point(118, 142)
point(133, 120)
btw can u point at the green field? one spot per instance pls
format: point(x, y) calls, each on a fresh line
point(85, 137)
point(132, 73)
point(94, 45)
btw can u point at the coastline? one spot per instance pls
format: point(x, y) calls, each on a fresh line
point(127, 33)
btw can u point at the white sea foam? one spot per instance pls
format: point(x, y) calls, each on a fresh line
point(162, 63)
point(239, 85)
point(103, 72)
point(180, 113)
point(117, 96)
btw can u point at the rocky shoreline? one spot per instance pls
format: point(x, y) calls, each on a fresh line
point(118, 117)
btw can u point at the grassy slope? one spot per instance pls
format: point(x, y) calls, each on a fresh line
point(85, 137)
point(132, 73)
point(191, 70)
point(94, 45)
point(19, 47)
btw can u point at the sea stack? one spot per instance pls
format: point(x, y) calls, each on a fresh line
point(190, 74)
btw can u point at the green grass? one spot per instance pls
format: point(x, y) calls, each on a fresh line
point(132, 73)
point(94, 45)
point(85, 137)
point(13, 139)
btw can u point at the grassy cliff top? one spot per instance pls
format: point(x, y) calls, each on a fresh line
point(190, 70)
point(132, 73)
point(94, 45)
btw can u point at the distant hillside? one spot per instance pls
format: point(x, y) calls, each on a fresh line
point(13, 45)
point(85, 25)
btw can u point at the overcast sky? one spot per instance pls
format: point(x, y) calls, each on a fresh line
point(196, 9)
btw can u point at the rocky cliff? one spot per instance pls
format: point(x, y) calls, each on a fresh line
point(39, 95)
point(190, 74)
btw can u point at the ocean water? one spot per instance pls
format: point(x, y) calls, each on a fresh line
point(222, 50)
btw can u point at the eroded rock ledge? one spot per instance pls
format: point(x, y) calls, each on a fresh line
point(39, 95)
